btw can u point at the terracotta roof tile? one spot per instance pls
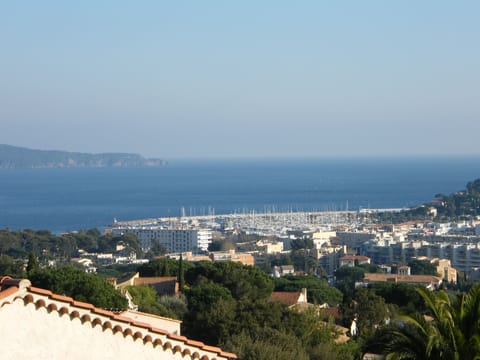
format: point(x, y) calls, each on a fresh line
point(228, 355)
point(110, 315)
point(122, 319)
point(61, 298)
point(103, 312)
point(402, 278)
point(354, 257)
point(212, 349)
point(285, 297)
point(153, 280)
point(83, 305)
point(140, 324)
point(4, 278)
point(36, 290)
point(195, 343)
point(7, 292)
point(158, 331)
point(177, 337)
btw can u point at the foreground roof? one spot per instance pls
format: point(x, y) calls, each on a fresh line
point(37, 321)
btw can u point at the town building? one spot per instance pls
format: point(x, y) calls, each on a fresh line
point(429, 281)
point(353, 260)
point(163, 285)
point(175, 240)
point(283, 270)
point(293, 299)
point(268, 247)
point(231, 255)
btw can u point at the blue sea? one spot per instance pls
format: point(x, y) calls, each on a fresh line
point(79, 198)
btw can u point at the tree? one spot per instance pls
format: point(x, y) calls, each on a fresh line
point(452, 333)
point(319, 291)
point(11, 267)
point(211, 312)
point(368, 308)
point(221, 245)
point(346, 277)
point(422, 267)
point(32, 263)
point(79, 285)
point(241, 280)
point(158, 249)
point(162, 267)
point(266, 345)
point(181, 274)
point(405, 296)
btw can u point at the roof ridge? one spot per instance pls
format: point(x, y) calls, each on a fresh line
point(127, 321)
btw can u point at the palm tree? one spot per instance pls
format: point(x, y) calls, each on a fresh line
point(452, 330)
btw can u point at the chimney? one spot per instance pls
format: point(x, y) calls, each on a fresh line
point(304, 294)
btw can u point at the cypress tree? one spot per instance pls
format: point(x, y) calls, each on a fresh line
point(181, 278)
point(32, 263)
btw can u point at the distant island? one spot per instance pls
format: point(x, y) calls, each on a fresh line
point(13, 157)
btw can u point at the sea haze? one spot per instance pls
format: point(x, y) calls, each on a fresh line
point(71, 199)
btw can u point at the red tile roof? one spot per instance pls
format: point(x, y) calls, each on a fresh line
point(414, 279)
point(355, 257)
point(285, 297)
point(9, 287)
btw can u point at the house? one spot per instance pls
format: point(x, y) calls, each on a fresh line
point(268, 247)
point(429, 281)
point(172, 326)
point(39, 324)
point(444, 268)
point(353, 260)
point(283, 270)
point(231, 255)
point(164, 285)
point(404, 270)
point(291, 299)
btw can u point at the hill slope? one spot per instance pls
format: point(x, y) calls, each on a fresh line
point(12, 157)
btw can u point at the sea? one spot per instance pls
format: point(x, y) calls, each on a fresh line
point(70, 199)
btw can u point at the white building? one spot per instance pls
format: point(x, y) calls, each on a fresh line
point(39, 324)
point(174, 239)
point(321, 238)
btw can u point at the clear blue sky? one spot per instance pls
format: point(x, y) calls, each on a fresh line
point(241, 79)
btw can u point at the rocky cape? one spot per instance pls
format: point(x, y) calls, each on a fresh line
point(13, 157)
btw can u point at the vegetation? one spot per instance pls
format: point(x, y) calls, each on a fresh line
point(422, 267)
point(11, 267)
point(163, 267)
point(347, 276)
point(79, 285)
point(451, 332)
point(404, 296)
point(461, 204)
point(319, 292)
point(45, 246)
point(149, 301)
point(228, 305)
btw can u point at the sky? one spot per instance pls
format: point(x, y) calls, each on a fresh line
point(236, 79)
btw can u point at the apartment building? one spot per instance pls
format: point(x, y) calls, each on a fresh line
point(175, 240)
